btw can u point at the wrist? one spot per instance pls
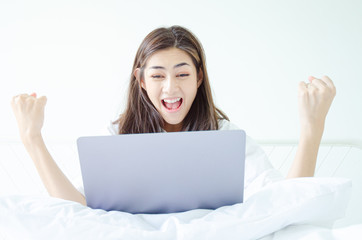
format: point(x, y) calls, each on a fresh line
point(31, 138)
point(312, 132)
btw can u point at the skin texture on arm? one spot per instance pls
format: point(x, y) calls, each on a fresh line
point(29, 113)
point(314, 100)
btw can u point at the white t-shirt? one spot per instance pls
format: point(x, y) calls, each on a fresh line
point(258, 169)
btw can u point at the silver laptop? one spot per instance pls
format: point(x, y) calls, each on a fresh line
point(163, 172)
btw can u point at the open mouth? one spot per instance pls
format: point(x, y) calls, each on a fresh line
point(172, 105)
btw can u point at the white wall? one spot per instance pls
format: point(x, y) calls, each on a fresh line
point(79, 54)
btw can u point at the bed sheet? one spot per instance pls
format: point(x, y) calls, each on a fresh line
point(276, 211)
point(310, 232)
point(26, 208)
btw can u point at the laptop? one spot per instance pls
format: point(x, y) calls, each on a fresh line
point(156, 173)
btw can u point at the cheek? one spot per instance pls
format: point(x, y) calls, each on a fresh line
point(152, 90)
point(191, 89)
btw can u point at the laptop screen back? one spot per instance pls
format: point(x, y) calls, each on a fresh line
point(163, 172)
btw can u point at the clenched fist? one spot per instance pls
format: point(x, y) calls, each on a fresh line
point(315, 99)
point(29, 113)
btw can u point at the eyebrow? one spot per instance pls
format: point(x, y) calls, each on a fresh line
point(176, 66)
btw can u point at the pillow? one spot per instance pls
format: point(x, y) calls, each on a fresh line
point(315, 201)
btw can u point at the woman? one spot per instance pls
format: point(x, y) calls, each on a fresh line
point(169, 91)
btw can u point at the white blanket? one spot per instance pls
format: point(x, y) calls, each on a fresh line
point(307, 205)
point(310, 232)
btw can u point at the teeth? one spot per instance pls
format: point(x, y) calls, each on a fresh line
point(172, 101)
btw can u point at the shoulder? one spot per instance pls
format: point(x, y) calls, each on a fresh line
point(113, 128)
point(227, 125)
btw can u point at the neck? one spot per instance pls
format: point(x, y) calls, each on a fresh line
point(173, 127)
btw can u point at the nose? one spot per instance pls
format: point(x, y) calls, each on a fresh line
point(170, 85)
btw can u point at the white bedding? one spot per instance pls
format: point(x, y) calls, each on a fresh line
point(287, 209)
point(290, 209)
point(310, 232)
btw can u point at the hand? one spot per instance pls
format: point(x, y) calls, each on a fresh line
point(29, 113)
point(315, 99)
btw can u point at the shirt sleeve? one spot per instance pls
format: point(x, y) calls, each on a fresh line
point(259, 172)
point(112, 128)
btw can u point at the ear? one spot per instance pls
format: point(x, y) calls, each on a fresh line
point(200, 77)
point(137, 74)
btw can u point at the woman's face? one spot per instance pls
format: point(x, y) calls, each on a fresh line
point(171, 82)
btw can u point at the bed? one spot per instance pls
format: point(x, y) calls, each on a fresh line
point(324, 207)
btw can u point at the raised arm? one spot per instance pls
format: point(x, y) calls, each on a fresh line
point(315, 99)
point(29, 113)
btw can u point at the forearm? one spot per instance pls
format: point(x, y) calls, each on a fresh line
point(314, 100)
point(306, 156)
point(54, 180)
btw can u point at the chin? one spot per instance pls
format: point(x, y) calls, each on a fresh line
point(173, 121)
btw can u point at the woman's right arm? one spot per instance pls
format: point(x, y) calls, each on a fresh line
point(29, 113)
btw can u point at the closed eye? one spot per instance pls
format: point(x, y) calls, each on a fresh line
point(156, 76)
point(183, 75)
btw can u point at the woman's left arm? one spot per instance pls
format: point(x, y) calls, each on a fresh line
point(314, 100)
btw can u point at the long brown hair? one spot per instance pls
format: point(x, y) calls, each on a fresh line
point(140, 115)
